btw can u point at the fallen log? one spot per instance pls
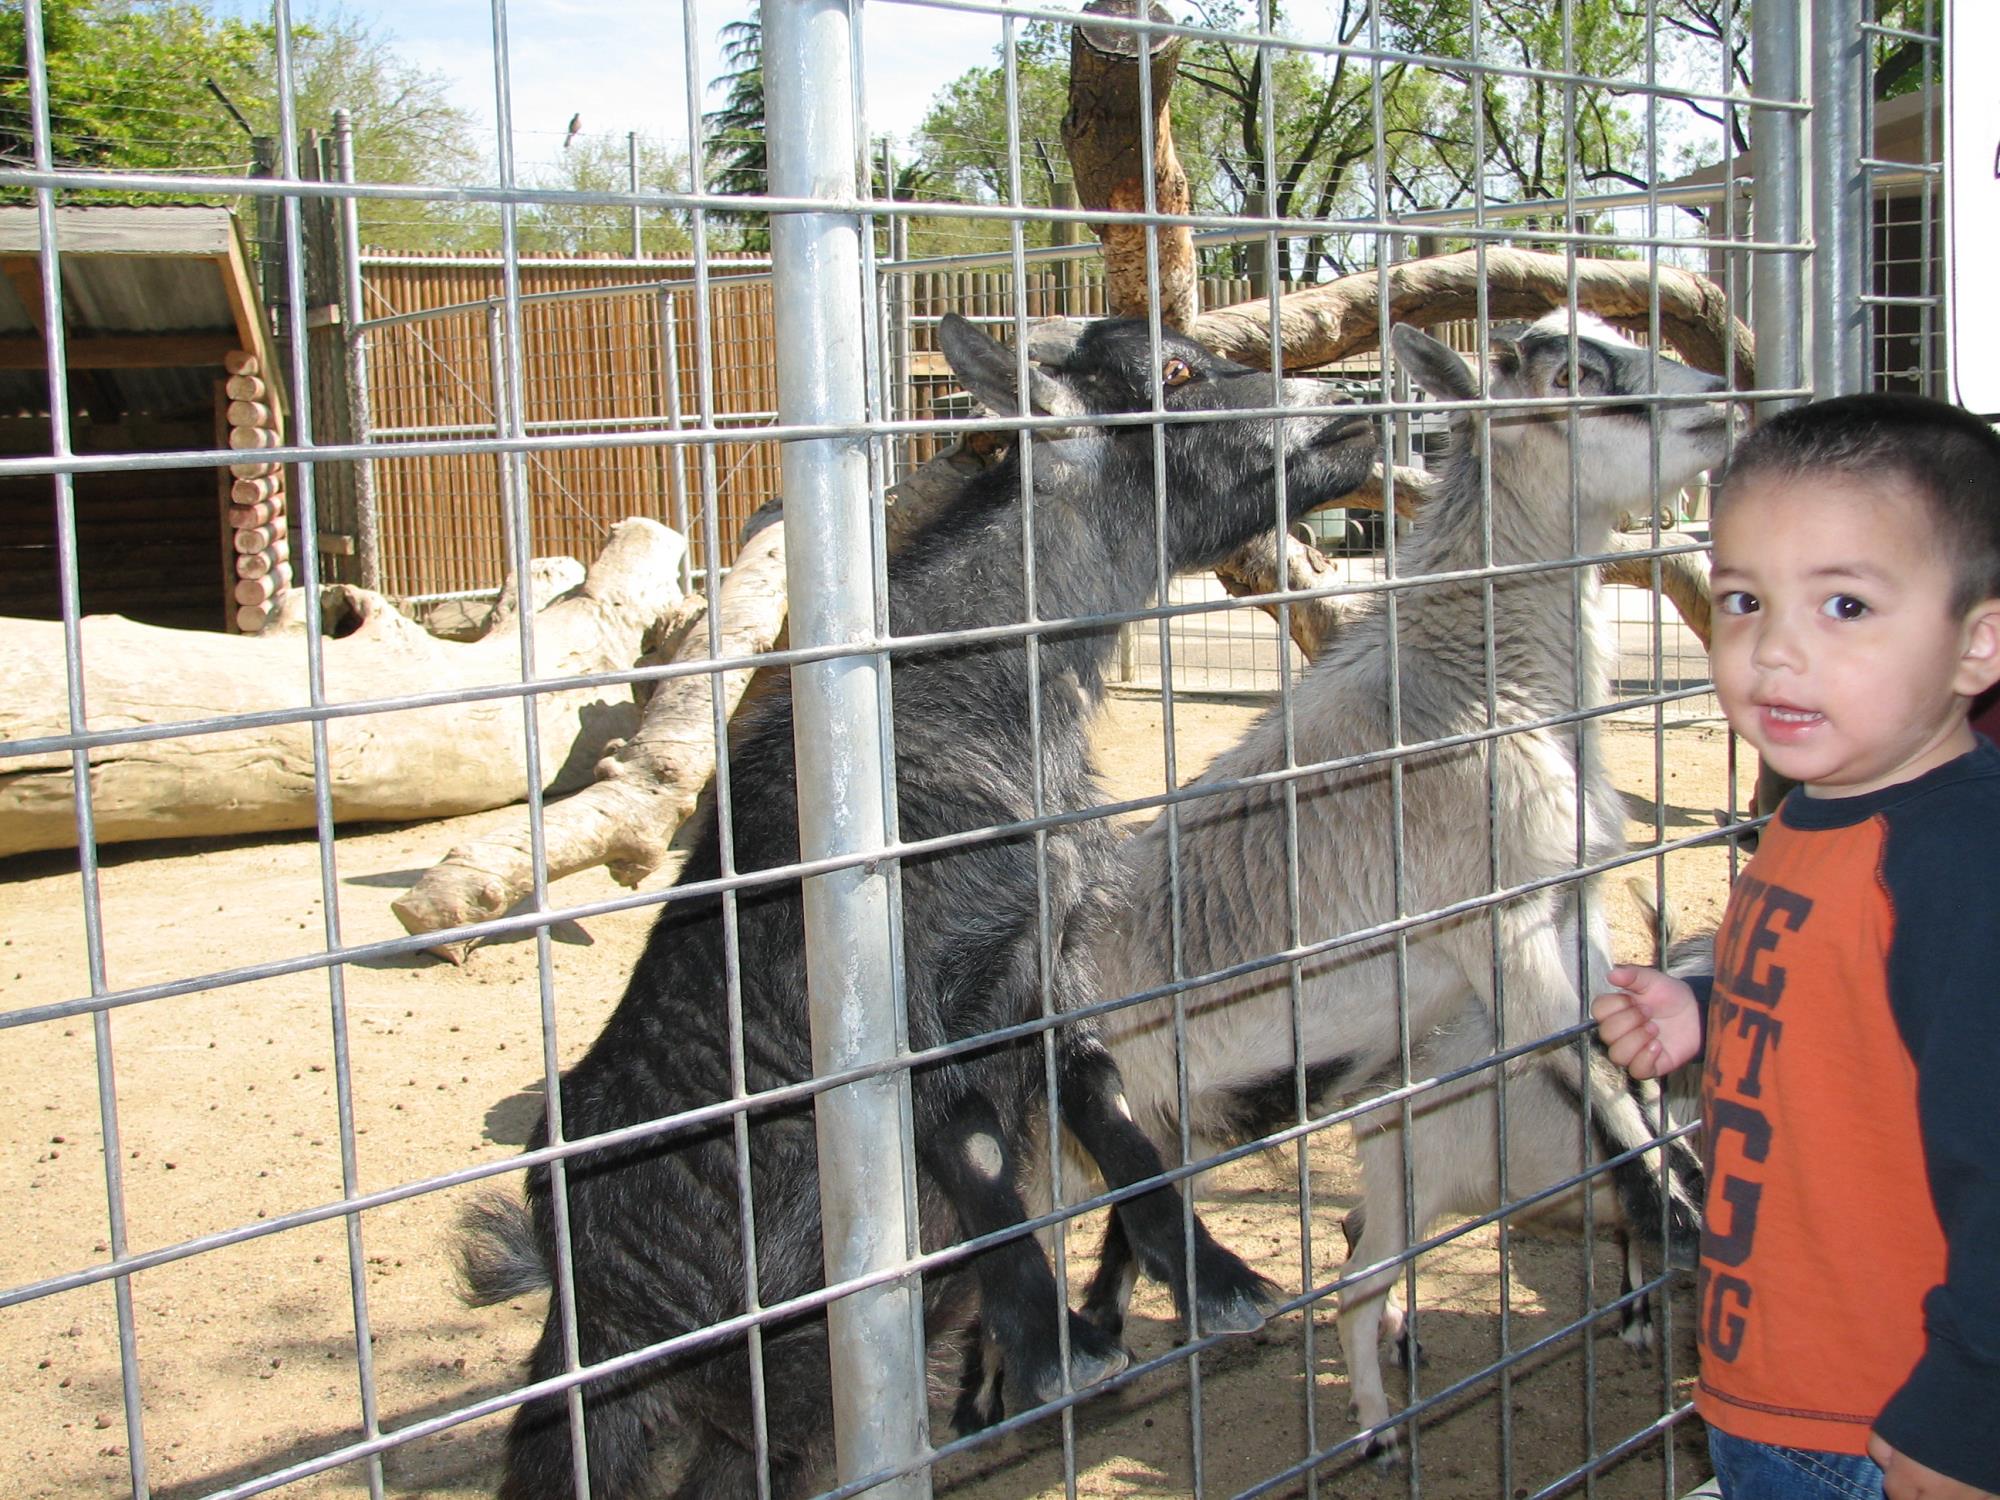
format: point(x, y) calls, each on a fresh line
point(646, 787)
point(1321, 324)
point(1316, 622)
point(1683, 577)
point(468, 619)
point(407, 763)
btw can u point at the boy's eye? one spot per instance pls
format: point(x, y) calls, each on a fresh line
point(1843, 607)
point(1737, 602)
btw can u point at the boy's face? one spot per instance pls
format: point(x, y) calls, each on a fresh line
point(1835, 649)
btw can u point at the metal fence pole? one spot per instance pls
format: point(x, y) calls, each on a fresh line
point(876, 1354)
point(1840, 74)
point(675, 455)
point(496, 355)
point(632, 181)
point(367, 529)
point(1778, 198)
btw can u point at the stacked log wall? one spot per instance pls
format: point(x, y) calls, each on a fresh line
point(145, 538)
point(256, 523)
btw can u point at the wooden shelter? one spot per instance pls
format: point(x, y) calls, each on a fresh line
point(166, 350)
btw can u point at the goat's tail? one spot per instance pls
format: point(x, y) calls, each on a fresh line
point(498, 1254)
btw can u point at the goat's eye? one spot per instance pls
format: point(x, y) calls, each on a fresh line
point(1176, 371)
point(1562, 377)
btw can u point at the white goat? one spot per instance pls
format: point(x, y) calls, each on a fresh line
point(1454, 1151)
point(1226, 852)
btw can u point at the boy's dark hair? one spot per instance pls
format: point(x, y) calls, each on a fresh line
point(1945, 454)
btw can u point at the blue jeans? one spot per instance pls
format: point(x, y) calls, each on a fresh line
point(1763, 1471)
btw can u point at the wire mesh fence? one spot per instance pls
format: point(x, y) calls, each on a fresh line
point(833, 1183)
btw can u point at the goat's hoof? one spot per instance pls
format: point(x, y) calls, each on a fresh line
point(1238, 1310)
point(1639, 1336)
point(1383, 1451)
point(1411, 1351)
point(1684, 1248)
point(1093, 1357)
point(1230, 1297)
point(972, 1415)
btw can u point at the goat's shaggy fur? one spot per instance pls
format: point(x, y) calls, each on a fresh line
point(655, 1223)
point(1204, 886)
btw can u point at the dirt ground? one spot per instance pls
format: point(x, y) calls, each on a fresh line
point(227, 1113)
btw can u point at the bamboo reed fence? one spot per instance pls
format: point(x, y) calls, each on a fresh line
point(611, 348)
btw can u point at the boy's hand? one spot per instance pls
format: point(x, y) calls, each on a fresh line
point(1903, 1478)
point(1651, 1024)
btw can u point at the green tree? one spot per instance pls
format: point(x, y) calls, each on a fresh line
point(168, 86)
point(737, 163)
point(131, 87)
point(962, 145)
point(1543, 136)
point(406, 130)
point(1316, 162)
point(602, 164)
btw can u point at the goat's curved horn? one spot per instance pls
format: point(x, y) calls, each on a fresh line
point(1054, 341)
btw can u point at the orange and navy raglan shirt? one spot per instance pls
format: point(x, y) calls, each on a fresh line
point(1850, 1267)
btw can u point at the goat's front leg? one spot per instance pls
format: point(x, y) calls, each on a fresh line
point(1541, 990)
point(962, 1143)
point(1226, 1296)
point(1635, 1318)
point(1369, 1307)
point(1110, 1290)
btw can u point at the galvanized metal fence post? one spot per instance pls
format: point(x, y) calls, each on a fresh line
point(1777, 212)
point(354, 333)
point(497, 362)
point(1840, 74)
point(674, 455)
point(878, 1392)
point(632, 182)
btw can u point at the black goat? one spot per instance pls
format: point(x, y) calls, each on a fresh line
point(654, 1223)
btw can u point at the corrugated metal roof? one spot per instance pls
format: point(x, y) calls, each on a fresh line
point(169, 269)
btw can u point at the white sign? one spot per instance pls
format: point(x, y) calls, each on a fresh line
point(1972, 201)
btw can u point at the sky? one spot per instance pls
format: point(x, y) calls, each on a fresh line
point(619, 63)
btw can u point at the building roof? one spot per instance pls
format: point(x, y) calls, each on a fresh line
point(153, 298)
point(1899, 137)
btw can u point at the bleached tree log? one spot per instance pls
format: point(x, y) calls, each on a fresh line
point(1316, 622)
point(410, 763)
point(1320, 324)
point(1101, 132)
point(1683, 577)
point(469, 619)
point(646, 787)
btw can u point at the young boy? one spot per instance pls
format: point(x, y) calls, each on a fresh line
point(1850, 1269)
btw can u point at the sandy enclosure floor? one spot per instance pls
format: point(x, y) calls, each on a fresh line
point(228, 1113)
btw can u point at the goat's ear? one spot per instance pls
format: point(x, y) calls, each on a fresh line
point(988, 369)
point(1433, 364)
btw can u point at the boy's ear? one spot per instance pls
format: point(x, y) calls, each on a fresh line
point(1979, 659)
